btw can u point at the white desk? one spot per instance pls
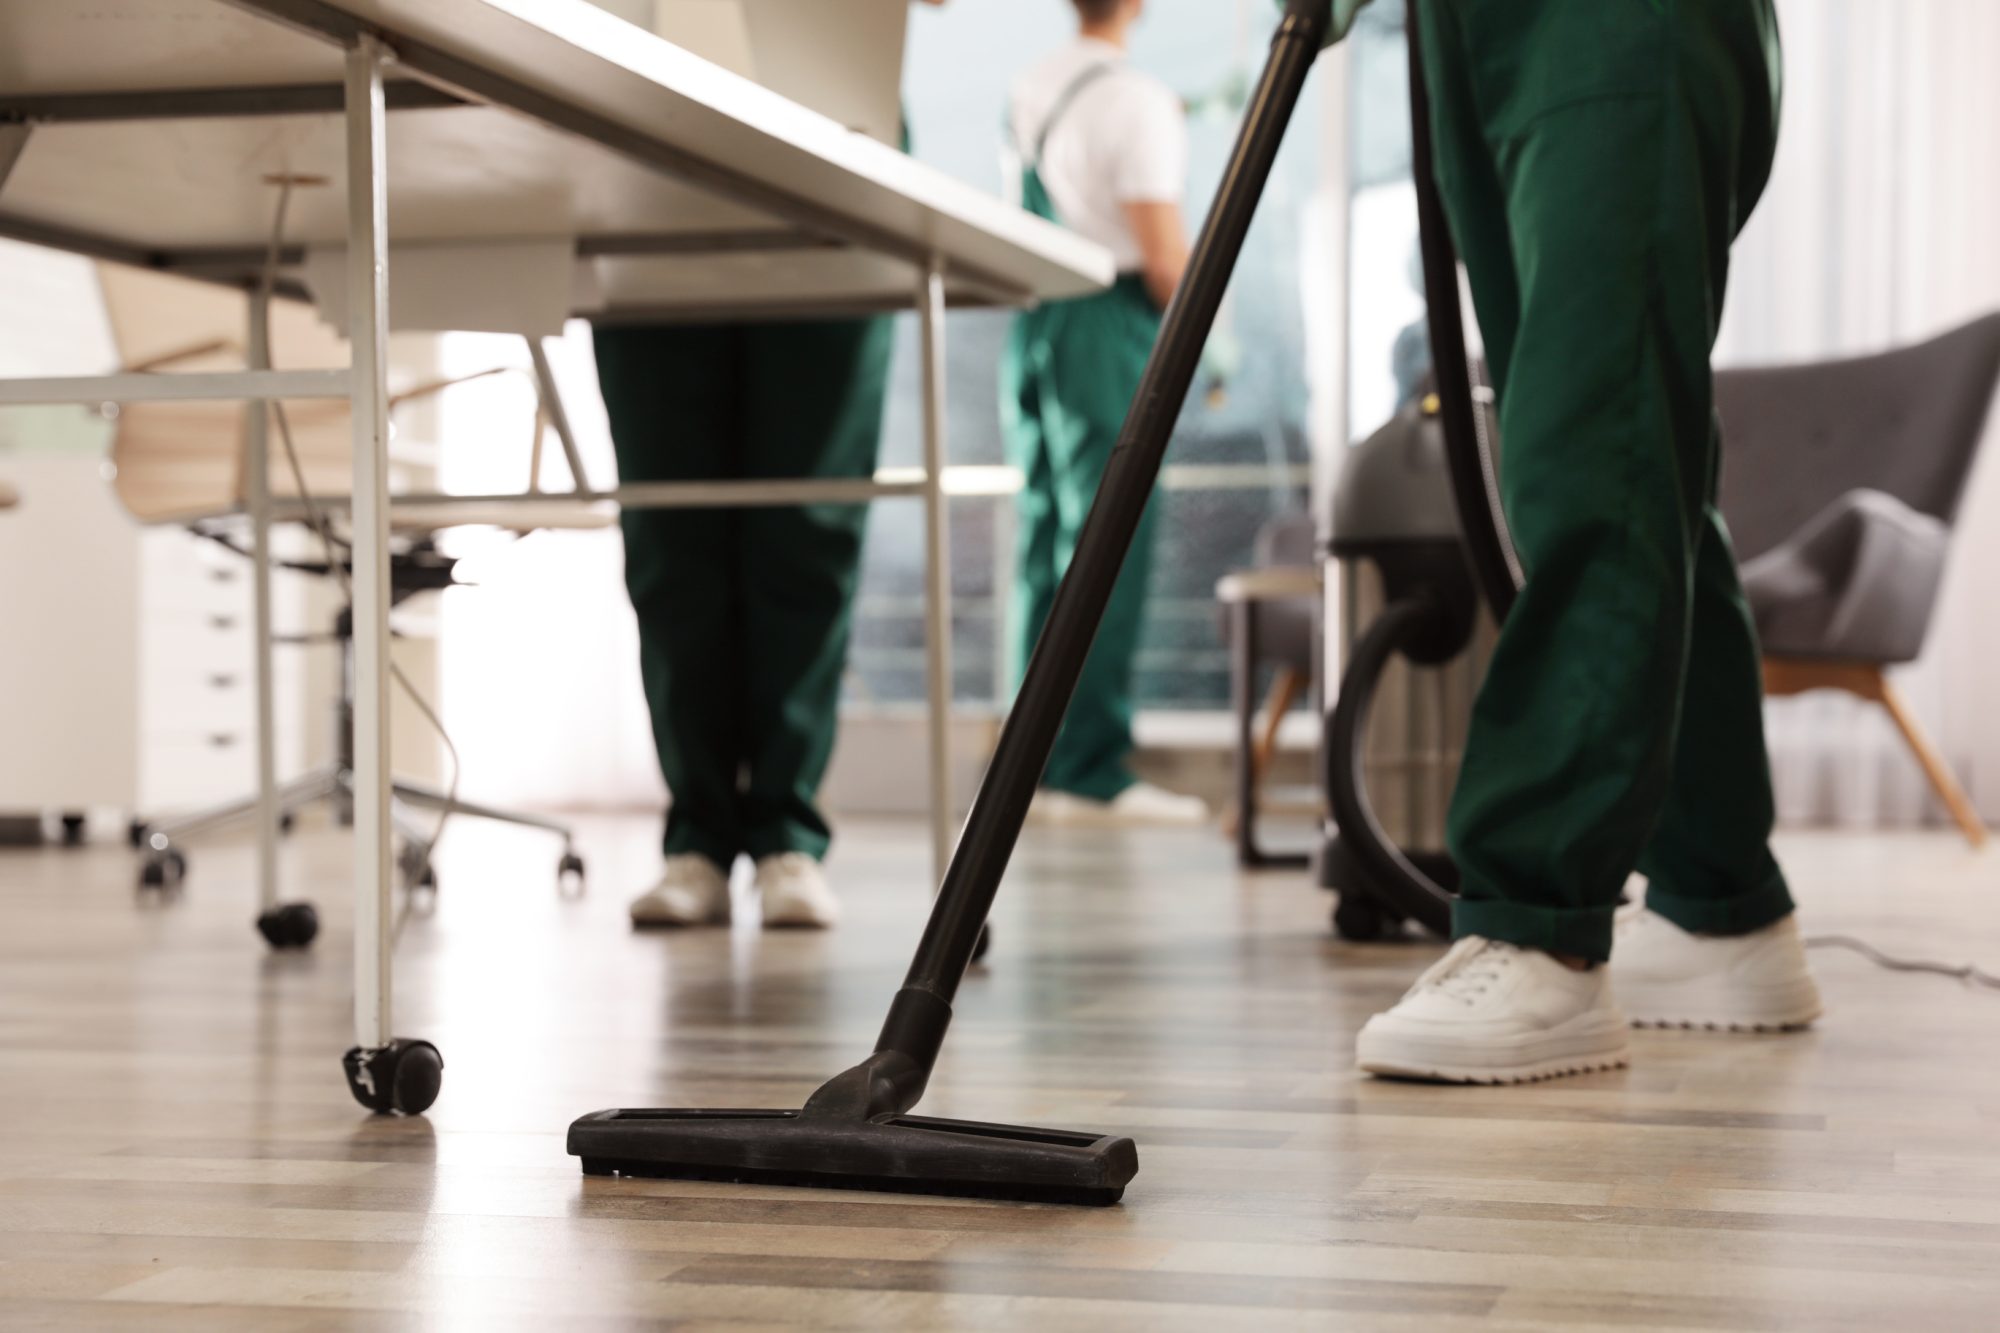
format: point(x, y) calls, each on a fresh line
point(143, 131)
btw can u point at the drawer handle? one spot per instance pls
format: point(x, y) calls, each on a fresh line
point(222, 680)
point(222, 622)
point(222, 575)
point(222, 740)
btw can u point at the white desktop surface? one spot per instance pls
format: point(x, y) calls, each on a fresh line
point(460, 173)
point(842, 58)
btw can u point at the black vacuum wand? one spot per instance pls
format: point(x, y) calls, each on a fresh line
point(855, 1132)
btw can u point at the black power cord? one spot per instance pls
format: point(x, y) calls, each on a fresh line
point(1969, 973)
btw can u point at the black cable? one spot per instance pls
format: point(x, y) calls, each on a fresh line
point(1969, 973)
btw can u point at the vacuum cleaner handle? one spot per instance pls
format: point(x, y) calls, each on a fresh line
point(917, 1020)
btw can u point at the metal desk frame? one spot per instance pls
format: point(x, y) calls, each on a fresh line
point(437, 78)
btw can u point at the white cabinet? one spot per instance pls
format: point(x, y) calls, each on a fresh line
point(126, 668)
point(197, 702)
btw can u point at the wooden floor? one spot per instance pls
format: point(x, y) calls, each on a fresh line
point(177, 1150)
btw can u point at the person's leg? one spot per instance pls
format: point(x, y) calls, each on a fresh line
point(1022, 368)
point(671, 397)
point(813, 404)
point(1716, 945)
point(1622, 182)
point(1098, 356)
point(1618, 135)
point(1709, 866)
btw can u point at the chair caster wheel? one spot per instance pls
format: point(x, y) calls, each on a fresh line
point(135, 833)
point(1358, 919)
point(163, 870)
point(414, 865)
point(570, 873)
point(984, 943)
point(287, 822)
point(401, 1078)
point(289, 925)
point(74, 829)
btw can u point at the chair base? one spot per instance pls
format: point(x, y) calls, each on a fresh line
point(333, 785)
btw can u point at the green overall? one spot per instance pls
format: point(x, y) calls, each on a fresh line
point(1597, 159)
point(1067, 378)
point(744, 615)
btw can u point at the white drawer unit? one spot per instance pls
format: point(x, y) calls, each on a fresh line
point(126, 670)
point(197, 690)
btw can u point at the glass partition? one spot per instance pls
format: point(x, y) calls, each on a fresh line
point(1241, 455)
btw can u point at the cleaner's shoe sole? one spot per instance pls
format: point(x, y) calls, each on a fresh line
point(1786, 1007)
point(1585, 1045)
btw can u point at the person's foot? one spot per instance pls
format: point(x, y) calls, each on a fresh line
point(1489, 1012)
point(1141, 805)
point(1665, 977)
point(692, 891)
point(795, 893)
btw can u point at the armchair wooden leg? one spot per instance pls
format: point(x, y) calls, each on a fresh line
point(1284, 692)
point(1943, 782)
point(1254, 756)
point(1783, 676)
point(1285, 689)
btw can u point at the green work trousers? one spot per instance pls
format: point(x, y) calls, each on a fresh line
point(1597, 159)
point(744, 615)
point(1066, 381)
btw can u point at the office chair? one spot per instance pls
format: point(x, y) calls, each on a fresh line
point(184, 464)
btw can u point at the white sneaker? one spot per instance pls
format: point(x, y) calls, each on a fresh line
point(1141, 805)
point(1492, 1013)
point(1665, 977)
point(795, 893)
point(693, 891)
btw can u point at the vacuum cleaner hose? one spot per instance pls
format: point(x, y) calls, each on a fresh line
point(1400, 882)
point(1392, 875)
point(1474, 479)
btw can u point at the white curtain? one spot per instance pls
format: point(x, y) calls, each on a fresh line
point(1882, 227)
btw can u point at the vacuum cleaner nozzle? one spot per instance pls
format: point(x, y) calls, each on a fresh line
point(908, 1154)
point(854, 1133)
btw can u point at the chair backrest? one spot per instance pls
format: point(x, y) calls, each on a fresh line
point(178, 460)
point(1908, 422)
point(1287, 541)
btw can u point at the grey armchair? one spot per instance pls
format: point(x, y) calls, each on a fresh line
point(1840, 482)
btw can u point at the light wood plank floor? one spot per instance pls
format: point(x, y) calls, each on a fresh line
point(177, 1150)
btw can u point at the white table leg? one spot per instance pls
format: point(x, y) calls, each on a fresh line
point(257, 487)
point(937, 568)
point(367, 278)
point(1006, 549)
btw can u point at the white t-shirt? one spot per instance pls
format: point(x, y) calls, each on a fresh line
point(1122, 140)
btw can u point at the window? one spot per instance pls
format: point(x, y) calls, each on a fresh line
point(1241, 454)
